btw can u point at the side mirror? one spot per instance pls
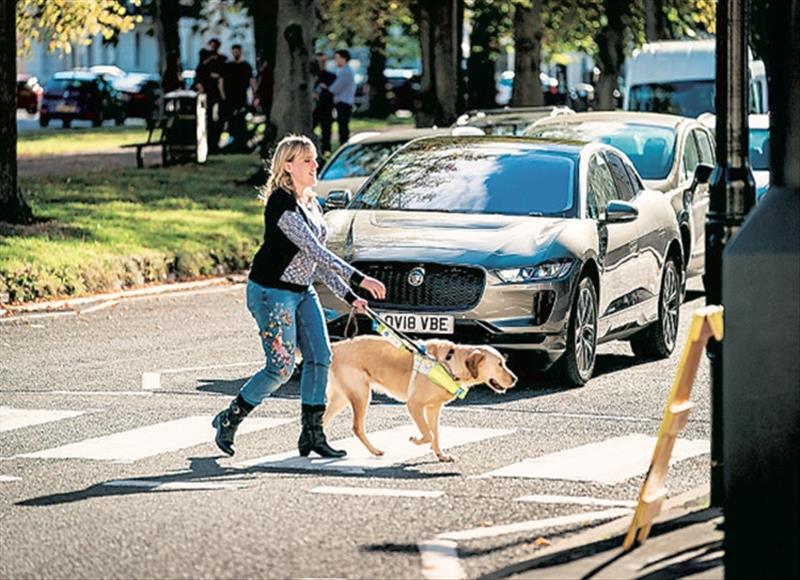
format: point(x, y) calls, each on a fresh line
point(620, 211)
point(702, 174)
point(337, 199)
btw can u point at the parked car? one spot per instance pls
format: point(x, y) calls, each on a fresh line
point(758, 150)
point(83, 95)
point(508, 120)
point(188, 79)
point(29, 93)
point(541, 246)
point(141, 93)
point(551, 92)
point(402, 88)
point(666, 151)
point(363, 153)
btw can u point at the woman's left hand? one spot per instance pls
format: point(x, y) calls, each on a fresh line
point(374, 287)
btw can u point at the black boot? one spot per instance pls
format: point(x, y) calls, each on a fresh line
point(312, 437)
point(227, 422)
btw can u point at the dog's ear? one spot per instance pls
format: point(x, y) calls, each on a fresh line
point(473, 361)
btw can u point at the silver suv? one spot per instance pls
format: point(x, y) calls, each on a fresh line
point(550, 247)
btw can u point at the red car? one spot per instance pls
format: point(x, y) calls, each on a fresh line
point(29, 93)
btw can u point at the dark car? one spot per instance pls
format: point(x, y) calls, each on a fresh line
point(29, 93)
point(72, 95)
point(140, 92)
point(538, 246)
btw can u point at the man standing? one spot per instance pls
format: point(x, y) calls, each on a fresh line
point(209, 80)
point(238, 78)
point(323, 109)
point(344, 93)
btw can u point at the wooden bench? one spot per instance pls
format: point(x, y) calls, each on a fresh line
point(150, 142)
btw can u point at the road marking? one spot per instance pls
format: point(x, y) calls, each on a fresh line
point(25, 317)
point(394, 442)
point(11, 418)
point(152, 380)
point(155, 484)
point(533, 525)
point(101, 306)
point(9, 478)
point(375, 491)
point(440, 560)
point(577, 500)
point(135, 444)
point(93, 393)
point(609, 462)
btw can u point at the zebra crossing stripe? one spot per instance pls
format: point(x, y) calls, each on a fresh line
point(577, 500)
point(394, 442)
point(375, 491)
point(157, 485)
point(136, 444)
point(9, 478)
point(608, 462)
point(11, 418)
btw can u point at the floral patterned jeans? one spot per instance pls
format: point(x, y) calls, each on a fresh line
point(287, 320)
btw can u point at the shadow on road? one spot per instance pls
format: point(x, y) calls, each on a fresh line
point(206, 470)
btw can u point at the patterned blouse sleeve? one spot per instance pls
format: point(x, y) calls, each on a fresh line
point(336, 284)
point(296, 229)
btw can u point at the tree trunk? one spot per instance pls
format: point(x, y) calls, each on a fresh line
point(427, 93)
point(484, 48)
point(611, 51)
point(265, 29)
point(438, 37)
point(461, 82)
point(168, 14)
point(13, 208)
point(446, 61)
point(297, 29)
point(527, 91)
point(376, 80)
point(655, 21)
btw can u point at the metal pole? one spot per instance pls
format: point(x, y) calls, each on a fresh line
point(732, 192)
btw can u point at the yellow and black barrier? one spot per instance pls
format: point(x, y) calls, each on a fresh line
point(706, 322)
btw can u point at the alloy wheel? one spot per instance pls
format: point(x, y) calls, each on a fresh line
point(670, 305)
point(585, 332)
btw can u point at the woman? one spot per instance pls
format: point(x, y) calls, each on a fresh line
point(281, 298)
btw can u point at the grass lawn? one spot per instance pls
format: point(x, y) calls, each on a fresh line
point(113, 229)
point(58, 141)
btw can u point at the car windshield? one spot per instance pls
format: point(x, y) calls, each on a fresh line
point(360, 160)
point(687, 98)
point(474, 177)
point(650, 148)
point(759, 149)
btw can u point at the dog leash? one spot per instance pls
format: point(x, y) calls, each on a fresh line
point(423, 363)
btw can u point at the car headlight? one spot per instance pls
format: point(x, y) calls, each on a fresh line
point(544, 271)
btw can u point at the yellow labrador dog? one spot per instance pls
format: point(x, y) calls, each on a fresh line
point(372, 362)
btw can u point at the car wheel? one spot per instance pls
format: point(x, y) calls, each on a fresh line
point(97, 121)
point(66, 123)
point(43, 120)
point(119, 120)
point(32, 110)
point(576, 365)
point(658, 340)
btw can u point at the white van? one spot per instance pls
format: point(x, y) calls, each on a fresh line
point(678, 76)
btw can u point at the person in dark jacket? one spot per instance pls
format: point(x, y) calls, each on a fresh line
point(323, 106)
point(283, 302)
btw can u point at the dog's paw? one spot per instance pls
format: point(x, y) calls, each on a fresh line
point(446, 458)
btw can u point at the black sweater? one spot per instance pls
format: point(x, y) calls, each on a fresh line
point(293, 254)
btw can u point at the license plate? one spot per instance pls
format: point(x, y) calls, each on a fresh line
point(421, 323)
point(64, 108)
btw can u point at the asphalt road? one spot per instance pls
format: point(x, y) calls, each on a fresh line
point(100, 477)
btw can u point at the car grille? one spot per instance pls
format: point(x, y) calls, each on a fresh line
point(442, 288)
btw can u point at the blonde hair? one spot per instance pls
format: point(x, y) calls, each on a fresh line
point(286, 150)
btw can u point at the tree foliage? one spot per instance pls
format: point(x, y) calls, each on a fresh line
point(60, 24)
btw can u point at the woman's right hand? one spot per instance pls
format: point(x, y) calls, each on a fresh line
point(374, 287)
point(360, 305)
